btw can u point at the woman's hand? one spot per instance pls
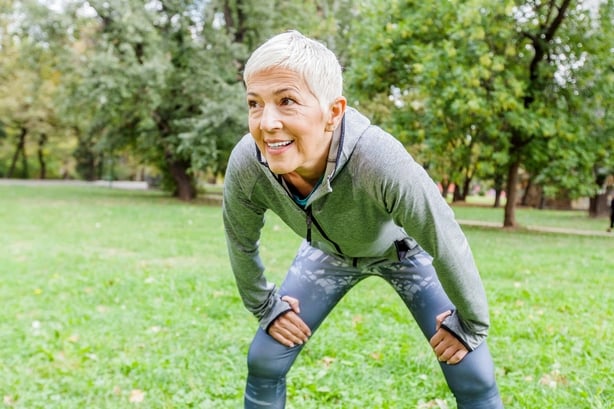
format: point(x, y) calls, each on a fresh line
point(288, 328)
point(446, 346)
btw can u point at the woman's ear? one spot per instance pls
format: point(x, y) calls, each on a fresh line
point(336, 111)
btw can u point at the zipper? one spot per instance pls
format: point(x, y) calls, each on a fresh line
point(311, 221)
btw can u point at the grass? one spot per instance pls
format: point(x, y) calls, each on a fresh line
point(527, 217)
point(120, 299)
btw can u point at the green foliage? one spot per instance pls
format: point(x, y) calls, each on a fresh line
point(460, 81)
point(30, 51)
point(453, 80)
point(448, 86)
point(164, 80)
point(152, 75)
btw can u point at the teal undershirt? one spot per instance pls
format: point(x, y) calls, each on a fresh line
point(303, 201)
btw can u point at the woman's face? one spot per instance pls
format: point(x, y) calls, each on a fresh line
point(287, 123)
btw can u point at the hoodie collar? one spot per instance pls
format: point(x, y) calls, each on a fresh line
point(343, 142)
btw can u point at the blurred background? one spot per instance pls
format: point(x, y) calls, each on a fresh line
point(508, 101)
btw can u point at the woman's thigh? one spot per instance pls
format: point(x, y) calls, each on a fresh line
point(416, 282)
point(318, 281)
point(472, 380)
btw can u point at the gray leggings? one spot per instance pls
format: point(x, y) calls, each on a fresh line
point(319, 281)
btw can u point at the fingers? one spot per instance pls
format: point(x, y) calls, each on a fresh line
point(447, 348)
point(289, 329)
point(441, 317)
point(293, 302)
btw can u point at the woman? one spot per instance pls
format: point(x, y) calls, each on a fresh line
point(364, 208)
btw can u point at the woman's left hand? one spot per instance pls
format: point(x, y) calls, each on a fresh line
point(288, 328)
point(446, 346)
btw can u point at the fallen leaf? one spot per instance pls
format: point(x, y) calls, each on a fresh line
point(328, 361)
point(436, 403)
point(8, 400)
point(136, 396)
point(553, 379)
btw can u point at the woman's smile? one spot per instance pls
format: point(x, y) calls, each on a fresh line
point(278, 147)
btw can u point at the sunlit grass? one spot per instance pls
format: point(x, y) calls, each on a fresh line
point(116, 299)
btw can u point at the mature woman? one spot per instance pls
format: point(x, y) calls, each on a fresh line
point(364, 207)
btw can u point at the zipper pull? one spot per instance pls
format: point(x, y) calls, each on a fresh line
point(308, 215)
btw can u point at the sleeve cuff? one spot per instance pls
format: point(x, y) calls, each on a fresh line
point(279, 307)
point(471, 340)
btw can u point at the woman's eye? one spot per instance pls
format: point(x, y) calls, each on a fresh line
point(287, 101)
point(252, 104)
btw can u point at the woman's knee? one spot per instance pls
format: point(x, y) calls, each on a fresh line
point(474, 385)
point(269, 359)
point(474, 377)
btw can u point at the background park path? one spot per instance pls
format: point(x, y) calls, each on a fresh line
point(539, 229)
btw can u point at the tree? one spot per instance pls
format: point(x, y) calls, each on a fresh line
point(31, 47)
point(157, 81)
point(161, 87)
point(483, 86)
point(164, 80)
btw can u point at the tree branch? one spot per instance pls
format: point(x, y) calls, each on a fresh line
point(549, 34)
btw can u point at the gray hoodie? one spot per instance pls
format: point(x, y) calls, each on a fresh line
point(373, 194)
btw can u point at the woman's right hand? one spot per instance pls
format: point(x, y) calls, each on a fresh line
point(288, 328)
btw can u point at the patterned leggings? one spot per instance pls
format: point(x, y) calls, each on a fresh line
point(319, 281)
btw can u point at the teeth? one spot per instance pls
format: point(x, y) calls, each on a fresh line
point(279, 144)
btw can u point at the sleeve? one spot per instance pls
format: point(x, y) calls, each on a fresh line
point(243, 221)
point(415, 203)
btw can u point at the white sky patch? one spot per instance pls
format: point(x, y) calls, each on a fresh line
point(86, 10)
point(54, 5)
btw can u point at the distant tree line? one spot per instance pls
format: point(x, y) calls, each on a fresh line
point(515, 95)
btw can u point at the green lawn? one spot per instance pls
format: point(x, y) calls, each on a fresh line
point(528, 217)
point(118, 299)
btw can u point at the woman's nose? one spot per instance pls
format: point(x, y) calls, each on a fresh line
point(270, 119)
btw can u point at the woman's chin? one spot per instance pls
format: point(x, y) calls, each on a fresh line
point(280, 169)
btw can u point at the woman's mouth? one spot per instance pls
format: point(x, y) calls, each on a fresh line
point(278, 145)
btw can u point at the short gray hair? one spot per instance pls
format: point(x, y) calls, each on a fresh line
point(311, 59)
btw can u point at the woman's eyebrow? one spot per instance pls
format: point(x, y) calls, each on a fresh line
point(276, 92)
point(285, 90)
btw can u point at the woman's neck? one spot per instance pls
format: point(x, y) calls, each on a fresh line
point(302, 186)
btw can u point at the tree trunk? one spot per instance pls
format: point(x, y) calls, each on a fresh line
point(445, 188)
point(466, 185)
point(20, 150)
point(184, 182)
point(511, 193)
point(540, 45)
point(498, 184)
point(41, 156)
point(598, 205)
point(458, 193)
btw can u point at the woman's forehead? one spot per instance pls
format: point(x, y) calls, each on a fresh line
point(273, 79)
